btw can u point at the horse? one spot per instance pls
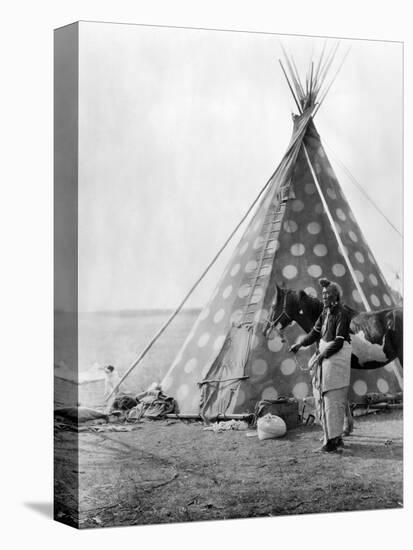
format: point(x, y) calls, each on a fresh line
point(376, 336)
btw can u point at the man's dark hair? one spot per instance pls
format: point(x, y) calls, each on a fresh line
point(325, 283)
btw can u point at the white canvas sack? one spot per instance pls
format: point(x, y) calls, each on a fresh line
point(271, 426)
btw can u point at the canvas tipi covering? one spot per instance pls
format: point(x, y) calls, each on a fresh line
point(226, 365)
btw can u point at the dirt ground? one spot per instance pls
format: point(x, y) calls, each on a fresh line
point(174, 471)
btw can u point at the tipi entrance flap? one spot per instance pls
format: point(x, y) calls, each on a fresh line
point(221, 383)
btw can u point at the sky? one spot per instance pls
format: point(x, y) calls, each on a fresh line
point(180, 129)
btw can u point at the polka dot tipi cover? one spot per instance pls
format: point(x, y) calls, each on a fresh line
point(226, 365)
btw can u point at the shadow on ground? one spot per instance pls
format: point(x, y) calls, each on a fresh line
point(43, 508)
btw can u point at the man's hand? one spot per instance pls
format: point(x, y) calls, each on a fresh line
point(295, 347)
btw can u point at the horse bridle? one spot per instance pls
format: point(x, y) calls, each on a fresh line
point(283, 313)
point(273, 324)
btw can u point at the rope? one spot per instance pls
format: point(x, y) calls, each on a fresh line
point(360, 188)
point(184, 300)
point(297, 362)
point(333, 227)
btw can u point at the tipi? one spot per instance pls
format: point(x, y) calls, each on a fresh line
point(303, 228)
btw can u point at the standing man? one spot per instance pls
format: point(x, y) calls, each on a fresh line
point(331, 378)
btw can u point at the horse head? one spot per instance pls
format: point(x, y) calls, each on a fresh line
point(284, 310)
point(290, 306)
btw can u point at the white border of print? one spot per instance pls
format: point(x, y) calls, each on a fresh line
point(27, 267)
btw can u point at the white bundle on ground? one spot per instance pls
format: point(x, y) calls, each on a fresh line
point(270, 426)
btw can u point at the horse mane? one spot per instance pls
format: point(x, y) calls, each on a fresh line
point(316, 303)
point(363, 320)
point(316, 306)
point(311, 301)
point(351, 311)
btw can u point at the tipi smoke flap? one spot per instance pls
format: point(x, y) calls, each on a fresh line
point(303, 229)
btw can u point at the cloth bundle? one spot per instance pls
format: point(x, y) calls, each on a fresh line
point(270, 426)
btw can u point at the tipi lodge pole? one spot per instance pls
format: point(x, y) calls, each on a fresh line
point(184, 300)
point(333, 227)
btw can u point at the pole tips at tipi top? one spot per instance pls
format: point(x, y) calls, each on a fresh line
point(311, 92)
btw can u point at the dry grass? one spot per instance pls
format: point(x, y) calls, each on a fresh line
point(175, 471)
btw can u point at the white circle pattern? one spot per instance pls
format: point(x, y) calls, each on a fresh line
point(275, 344)
point(203, 340)
point(311, 291)
point(359, 257)
point(227, 292)
point(314, 270)
point(360, 387)
point(373, 279)
point(244, 291)
point(382, 385)
point(269, 393)
point(190, 365)
point(235, 270)
point(251, 265)
point(219, 315)
point(272, 246)
point(353, 236)
point(313, 228)
point(374, 300)
point(259, 241)
point(340, 214)
point(259, 367)
point(300, 390)
point(288, 366)
point(387, 299)
point(338, 270)
point(289, 271)
point(297, 249)
point(359, 275)
point(204, 313)
point(290, 226)
point(356, 296)
point(320, 250)
point(243, 249)
point(297, 205)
